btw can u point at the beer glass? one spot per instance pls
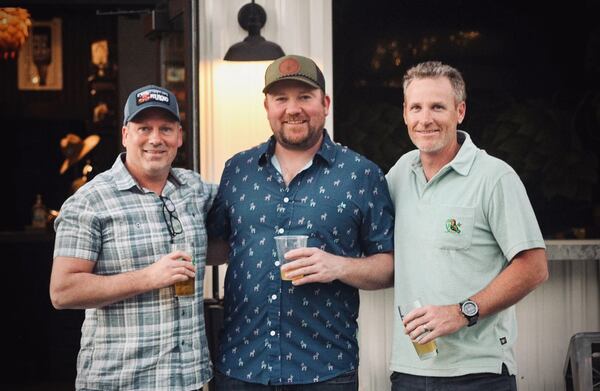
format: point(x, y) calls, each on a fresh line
point(424, 351)
point(187, 287)
point(286, 243)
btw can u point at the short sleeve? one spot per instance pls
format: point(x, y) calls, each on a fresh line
point(78, 230)
point(511, 217)
point(377, 228)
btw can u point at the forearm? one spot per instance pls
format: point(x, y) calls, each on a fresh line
point(82, 289)
point(370, 273)
point(526, 271)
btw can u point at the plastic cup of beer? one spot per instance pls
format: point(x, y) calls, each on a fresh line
point(187, 287)
point(286, 243)
point(424, 351)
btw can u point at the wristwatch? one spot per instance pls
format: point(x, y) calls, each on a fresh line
point(470, 310)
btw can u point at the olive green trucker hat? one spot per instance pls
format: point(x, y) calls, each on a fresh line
point(293, 67)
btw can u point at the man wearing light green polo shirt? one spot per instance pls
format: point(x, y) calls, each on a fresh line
point(467, 244)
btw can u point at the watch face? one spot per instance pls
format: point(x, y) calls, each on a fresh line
point(469, 308)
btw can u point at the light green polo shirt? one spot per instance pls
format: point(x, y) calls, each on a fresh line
point(453, 235)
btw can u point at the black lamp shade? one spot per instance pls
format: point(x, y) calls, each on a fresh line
point(252, 17)
point(254, 48)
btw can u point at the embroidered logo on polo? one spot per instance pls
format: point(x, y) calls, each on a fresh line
point(151, 95)
point(453, 226)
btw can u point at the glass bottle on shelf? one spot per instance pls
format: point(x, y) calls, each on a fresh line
point(39, 213)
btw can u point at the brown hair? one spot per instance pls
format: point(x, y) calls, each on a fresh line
point(435, 69)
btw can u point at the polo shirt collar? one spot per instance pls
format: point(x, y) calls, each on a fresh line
point(326, 152)
point(462, 162)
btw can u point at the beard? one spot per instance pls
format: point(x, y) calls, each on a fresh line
point(299, 141)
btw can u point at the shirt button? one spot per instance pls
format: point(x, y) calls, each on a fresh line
point(276, 263)
point(286, 199)
point(274, 297)
point(281, 230)
point(183, 312)
point(272, 333)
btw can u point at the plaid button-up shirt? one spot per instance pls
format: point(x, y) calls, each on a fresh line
point(152, 341)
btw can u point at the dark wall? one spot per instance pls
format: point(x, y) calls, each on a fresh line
point(35, 121)
point(140, 61)
point(532, 74)
point(43, 342)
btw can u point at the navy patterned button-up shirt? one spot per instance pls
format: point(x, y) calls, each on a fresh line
point(274, 332)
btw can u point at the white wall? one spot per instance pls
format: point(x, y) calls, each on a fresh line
point(568, 303)
point(375, 321)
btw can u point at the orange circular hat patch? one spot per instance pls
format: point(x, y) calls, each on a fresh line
point(289, 66)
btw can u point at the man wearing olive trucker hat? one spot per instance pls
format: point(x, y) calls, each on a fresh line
point(300, 334)
point(113, 256)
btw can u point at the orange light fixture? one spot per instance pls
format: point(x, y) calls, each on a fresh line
point(14, 30)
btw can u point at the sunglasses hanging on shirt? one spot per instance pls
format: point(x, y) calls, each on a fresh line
point(173, 223)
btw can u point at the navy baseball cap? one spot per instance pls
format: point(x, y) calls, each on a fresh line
point(150, 96)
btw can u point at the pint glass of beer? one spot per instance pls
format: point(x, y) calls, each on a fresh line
point(187, 287)
point(424, 351)
point(285, 243)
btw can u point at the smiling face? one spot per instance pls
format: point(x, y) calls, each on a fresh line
point(296, 112)
point(151, 140)
point(432, 115)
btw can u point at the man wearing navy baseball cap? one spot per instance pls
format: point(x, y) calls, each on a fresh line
point(147, 97)
point(115, 256)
